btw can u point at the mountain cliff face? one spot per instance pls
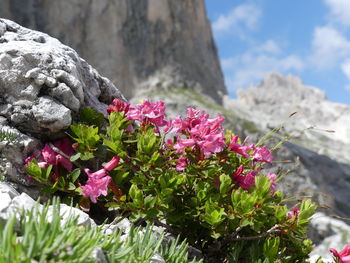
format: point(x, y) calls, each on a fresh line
point(130, 40)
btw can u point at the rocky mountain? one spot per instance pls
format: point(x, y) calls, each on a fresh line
point(130, 40)
point(320, 125)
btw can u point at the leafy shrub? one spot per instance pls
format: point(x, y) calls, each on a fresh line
point(205, 183)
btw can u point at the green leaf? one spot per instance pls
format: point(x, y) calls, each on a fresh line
point(149, 202)
point(91, 116)
point(281, 212)
point(214, 215)
point(74, 175)
point(307, 209)
point(201, 195)
point(75, 157)
point(148, 143)
point(71, 186)
point(136, 195)
point(86, 156)
point(33, 169)
point(225, 184)
point(87, 136)
point(262, 185)
point(48, 172)
point(48, 190)
point(271, 247)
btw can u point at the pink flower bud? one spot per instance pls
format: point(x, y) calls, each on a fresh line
point(112, 163)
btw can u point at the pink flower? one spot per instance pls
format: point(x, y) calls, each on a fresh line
point(64, 146)
point(119, 106)
point(239, 171)
point(181, 164)
point(216, 124)
point(273, 185)
point(294, 213)
point(199, 131)
point(98, 182)
point(262, 154)
point(342, 256)
point(193, 117)
point(112, 163)
point(148, 112)
point(96, 185)
point(238, 148)
point(184, 143)
point(246, 181)
point(212, 143)
point(50, 157)
point(176, 125)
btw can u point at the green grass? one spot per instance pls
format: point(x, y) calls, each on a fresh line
point(7, 136)
point(35, 239)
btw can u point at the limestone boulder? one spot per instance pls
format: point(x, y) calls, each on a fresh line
point(43, 85)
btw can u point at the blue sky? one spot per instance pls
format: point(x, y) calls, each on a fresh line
point(306, 38)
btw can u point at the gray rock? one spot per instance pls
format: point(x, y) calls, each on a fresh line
point(5, 201)
point(129, 40)
point(11, 202)
point(67, 212)
point(157, 259)
point(23, 201)
point(328, 233)
point(124, 225)
point(7, 189)
point(315, 176)
point(98, 255)
point(43, 85)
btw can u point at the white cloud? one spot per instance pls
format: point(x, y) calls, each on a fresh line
point(249, 68)
point(329, 47)
point(340, 11)
point(243, 16)
point(270, 46)
point(345, 67)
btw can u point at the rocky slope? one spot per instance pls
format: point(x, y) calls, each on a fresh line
point(130, 40)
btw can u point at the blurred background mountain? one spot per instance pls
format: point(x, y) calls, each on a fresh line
point(130, 40)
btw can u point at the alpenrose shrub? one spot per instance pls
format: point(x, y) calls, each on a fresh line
point(186, 174)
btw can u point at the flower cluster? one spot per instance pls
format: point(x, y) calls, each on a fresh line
point(197, 132)
point(98, 182)
point(258, 154)
point(145, 113)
